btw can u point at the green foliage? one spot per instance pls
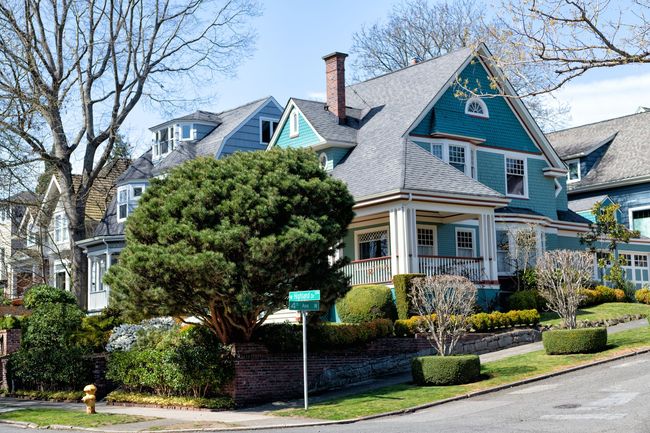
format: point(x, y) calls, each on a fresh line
point(66, 396)
point(445, 370)
point(214, 403)
point(227, 240)
point(48, 358)
point(189, 362)
point(95, 330)
point(481, 322)
point(582, 340)
point(642, 296)
point(366, 303)
point(11, 322)
point(601, 295)
point(286, 337)
point(526, 279)
point(44, 294)
point(402, 285)
point(527, 300)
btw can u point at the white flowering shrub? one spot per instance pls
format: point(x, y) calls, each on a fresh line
point(125, 336)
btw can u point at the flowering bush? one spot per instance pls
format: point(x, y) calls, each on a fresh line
point(125, 336)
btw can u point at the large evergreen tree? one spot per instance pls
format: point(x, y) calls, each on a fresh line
point(226, 240)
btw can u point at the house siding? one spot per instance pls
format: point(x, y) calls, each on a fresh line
point(334, 156)
point(248, 137)
point(627, 197)
point(306, 137)
point(202, 130)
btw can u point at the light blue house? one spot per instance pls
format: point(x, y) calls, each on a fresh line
point(242, 129)
point(440, 179)
point(609, 162)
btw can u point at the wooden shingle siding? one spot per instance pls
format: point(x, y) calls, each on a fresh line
point(627, 196)
point(247, 137)
point(307, 136)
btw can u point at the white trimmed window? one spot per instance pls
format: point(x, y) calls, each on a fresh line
point(294, 124)
point(464, 242)
point(574, 170)
point(426, 241)
point(372, 244)
point(516, 177)
point(97, 271)
point(457, 155)
point(60, 227)
point(267, 128)
point(476, 107)
point(127, 200)
point(186, 131)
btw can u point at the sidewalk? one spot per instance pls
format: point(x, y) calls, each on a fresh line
point(177, 419)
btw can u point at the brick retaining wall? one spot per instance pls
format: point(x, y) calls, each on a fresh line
point(263, 376)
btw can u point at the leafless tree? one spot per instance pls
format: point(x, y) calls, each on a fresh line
point(422, 29)
point(522, 249)
point(445, 303)
point(561, 274)
point(566, 38)
point(71, 72)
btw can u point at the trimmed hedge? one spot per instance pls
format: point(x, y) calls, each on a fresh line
point(445, 370)
point(567, 341)
point(526, 300)
point(366, 303)
point(601, 295)
point(287, 337)
point(402, 284)
point(642, 295)
point(481, 322)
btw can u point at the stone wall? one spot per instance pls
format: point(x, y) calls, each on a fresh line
point(262, 375)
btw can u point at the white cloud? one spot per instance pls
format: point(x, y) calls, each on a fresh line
point(317, 96)
point(605, 99)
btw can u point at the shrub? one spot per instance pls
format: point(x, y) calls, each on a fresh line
point(11, 322)
point(445, 370)
point(642, 295)
point(44, 294)
point(287, 337)
point(600, 295)
point(366, 303)
point(567, 341)
point(402, 284)
point(96, 330)
point(526, 300)
point(124, 336)
point(214, 403)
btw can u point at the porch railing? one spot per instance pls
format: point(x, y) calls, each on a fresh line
point(369, 271)
point(469, 267)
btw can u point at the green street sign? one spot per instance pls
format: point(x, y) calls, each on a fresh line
point(304, 306)
point(306, 295)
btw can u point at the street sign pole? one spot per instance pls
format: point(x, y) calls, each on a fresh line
point(304, 356)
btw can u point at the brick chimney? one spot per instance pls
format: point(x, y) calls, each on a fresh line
point(335, 77)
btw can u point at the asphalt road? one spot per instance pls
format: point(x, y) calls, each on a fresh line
point(613, 397)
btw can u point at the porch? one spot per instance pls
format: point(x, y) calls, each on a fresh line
point(427, 238)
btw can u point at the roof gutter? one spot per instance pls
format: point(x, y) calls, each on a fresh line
point(85, 243)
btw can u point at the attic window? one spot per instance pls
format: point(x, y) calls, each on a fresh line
point(267, 128)
point(294, 126)
point(477, 108)
point(574, 170)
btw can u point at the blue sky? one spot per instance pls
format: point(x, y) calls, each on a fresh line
point(293, 35)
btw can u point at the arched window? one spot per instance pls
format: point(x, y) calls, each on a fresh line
point(476, 107)
point(324, 161)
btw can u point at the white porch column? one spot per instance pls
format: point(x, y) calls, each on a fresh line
point(488, 245)
point(403, 238)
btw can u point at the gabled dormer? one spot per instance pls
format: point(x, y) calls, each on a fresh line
point(190, 128)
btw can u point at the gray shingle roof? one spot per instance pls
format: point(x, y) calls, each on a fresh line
point(198, 116)
point(585, 203)
point(211, 143)
point(627, 157)
point(140, 168)
point(327, 124)
point(383, 160)
point(109, 226)
point(571, 217)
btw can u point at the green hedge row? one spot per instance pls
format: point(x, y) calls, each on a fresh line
point(402, 284)
point(366, 303)
point(481, 322)
point(287, 337)
point(213, 403)
point(445, 370)
point(567, 341)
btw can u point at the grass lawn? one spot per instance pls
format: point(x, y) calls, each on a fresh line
point(610, 310)
point(495, 373)
point(75, 418)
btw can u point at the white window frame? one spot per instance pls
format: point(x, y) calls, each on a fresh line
point(60, 225)
point(630, 213)
point(96, 274)
point(120, 203)
point(435, 237)
point(569, 162)
point(481, 102)
point(271, 121)
point(445, 143)
point(505, 173)
point(465, 230)
point(131, 199)
point(180, 131)
point(294, 124)
point(325, 162)
point(357, 233)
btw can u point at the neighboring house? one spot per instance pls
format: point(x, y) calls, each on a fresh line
point(12, 210)
point(43, 232)
point(609, 162)
point(245, 128)
point(439, 180)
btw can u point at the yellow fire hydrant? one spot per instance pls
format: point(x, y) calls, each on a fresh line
point(90, 399)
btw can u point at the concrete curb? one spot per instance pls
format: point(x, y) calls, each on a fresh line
point(363, 418)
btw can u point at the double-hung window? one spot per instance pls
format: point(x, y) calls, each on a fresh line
point(373, 244)
point(60, 227)
point(186, 131)
point(426, 241)
point(516, 177)
point(465, 243)
point(267, 128)
point(122, 203)
point(458, 156)
point(574, 170)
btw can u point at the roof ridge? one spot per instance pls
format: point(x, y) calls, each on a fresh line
point(409, 66)
point(244, 105)
point(599, 121)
